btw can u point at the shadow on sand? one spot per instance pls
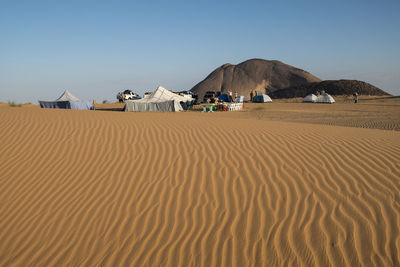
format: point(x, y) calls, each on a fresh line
point(110, 109)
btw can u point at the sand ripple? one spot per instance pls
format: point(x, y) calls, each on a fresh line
point(84, 188)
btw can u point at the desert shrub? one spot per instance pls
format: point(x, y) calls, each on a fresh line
point(13, 104)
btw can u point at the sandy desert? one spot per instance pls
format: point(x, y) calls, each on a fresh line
point(279, 184)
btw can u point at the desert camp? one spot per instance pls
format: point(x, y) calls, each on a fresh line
point(200, 133)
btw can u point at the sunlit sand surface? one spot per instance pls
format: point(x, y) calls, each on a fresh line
point(276, 185)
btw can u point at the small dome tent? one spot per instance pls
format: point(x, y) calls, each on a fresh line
point(262, 99)
point(310, 98)
point(325, 98)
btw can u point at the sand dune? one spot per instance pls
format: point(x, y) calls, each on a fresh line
point(90, 188)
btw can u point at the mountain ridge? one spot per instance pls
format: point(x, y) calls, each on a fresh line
point(277, 79)
point(253, 74)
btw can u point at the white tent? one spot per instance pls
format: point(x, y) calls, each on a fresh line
point(325, 98)
point(67, 101)
point(67, 96)
point(160, 100)
point(310, 98)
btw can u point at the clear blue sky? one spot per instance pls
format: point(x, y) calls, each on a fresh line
point(97, 48)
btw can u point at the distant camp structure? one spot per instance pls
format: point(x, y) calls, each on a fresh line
point(322, 98)
point(325, 98)
point(160, 100)
point(311, 98)
point(262, 99)
point(67, 101)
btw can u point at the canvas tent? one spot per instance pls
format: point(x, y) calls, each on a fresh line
point(262, 99)
point(67, 96)
point(310, 98)
point(325, 98)
point(67, 101)
point(160, 100)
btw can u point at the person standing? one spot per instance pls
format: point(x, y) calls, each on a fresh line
point(230, 96)
point(355, 97)
point(216, 101)
point(251, 95)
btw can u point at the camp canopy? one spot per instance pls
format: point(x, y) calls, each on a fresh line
point(310, 98)
point(67, 96)
point(67, 101)
point(262, 99)
point(325, 98)
point(160, 100)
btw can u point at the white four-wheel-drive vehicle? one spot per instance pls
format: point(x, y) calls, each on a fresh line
point(127, 95)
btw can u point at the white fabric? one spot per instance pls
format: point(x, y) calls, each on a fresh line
point(67, 96)
point(310, 98)
point(234, 106)
point(150, 106)
point(325, 98)
point(152, 102)
point(266, 98)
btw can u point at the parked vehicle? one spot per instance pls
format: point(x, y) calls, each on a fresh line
point(189, 94)
point(127, 95)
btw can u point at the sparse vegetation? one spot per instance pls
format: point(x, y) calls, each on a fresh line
point(13, 104)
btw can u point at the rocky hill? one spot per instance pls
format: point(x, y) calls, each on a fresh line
point(254, 74)
point(333, 87)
